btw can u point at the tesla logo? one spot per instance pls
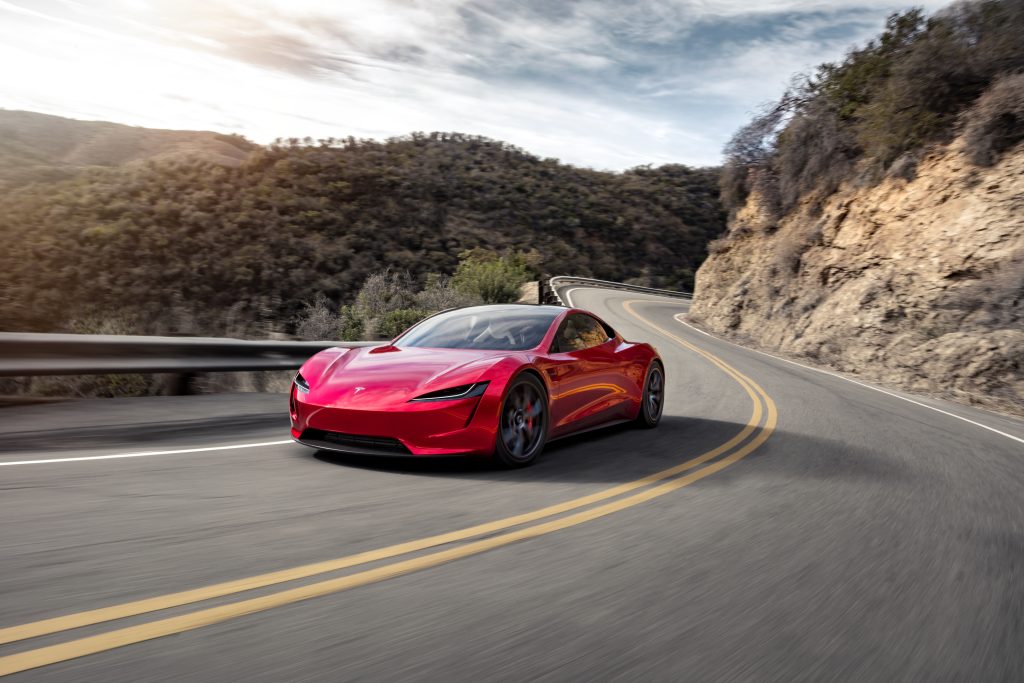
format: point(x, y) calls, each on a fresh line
point(358, 389)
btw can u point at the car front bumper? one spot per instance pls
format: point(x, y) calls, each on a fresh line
point(457, 427)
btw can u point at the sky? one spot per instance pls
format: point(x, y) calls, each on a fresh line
point(608, 84)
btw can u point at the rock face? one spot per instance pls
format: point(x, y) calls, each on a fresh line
point(918, 284)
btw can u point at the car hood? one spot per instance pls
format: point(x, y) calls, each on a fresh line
point(368, 378)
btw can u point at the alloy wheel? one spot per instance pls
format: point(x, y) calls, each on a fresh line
point(522, 421)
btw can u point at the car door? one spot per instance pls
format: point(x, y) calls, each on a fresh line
point(584, 370)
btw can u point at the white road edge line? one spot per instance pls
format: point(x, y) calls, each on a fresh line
point(678, 319)
point(147, 454)
point(568, 300)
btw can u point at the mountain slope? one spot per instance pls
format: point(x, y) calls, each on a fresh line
point(917, 284)
point(38, 147)
point(217, 245)
point(879, 212)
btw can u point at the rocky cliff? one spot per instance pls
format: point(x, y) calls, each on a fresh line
point(916, 284)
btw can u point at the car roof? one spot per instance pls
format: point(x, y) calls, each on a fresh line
point(510, 307)
point(555, 310)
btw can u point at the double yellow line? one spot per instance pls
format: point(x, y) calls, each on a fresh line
point(757, 429)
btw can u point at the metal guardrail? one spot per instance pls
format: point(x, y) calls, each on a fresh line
point(549, 290)
point(27, 354)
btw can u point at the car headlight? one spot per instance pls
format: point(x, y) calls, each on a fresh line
point(301, 384)
point(453, 393)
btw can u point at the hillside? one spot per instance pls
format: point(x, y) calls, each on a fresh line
point(222, 247)
point(914, 284)
point(38, 147)
point(902, 258)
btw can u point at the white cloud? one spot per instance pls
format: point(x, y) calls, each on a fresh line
point(603, 83)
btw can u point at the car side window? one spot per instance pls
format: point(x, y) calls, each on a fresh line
point(580, 332)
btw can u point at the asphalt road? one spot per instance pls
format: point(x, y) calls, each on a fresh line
point(802, 527)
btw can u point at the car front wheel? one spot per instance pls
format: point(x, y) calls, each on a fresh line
point(523, 423)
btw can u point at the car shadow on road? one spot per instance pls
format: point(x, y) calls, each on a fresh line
point(623, 453)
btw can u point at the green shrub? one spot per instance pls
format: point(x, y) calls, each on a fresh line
point(351, 325)
point(440, 294)
point(388, 303)
point(393, 323)
point(385, 291)
point(492, 278)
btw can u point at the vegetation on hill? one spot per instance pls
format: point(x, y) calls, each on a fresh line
point(189, 246)
point(390, 302)
point(41, 148)
point(877, 111)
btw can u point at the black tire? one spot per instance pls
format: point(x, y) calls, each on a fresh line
point(652, 402)
point(522, 423)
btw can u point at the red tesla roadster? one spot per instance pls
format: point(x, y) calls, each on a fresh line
point(486, 380)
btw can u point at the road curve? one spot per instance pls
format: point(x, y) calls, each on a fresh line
point(781, 524)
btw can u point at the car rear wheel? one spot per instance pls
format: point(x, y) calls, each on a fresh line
point(652, 402)
point(523, 423)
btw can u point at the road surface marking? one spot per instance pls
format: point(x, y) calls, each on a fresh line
point(87, 618)
point(134, 634)
point(679, 319)
point(146, 454)
point(64, 623)
point(187, 622)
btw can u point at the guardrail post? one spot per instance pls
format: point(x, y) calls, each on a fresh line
point(543, 291)
point(181, 383)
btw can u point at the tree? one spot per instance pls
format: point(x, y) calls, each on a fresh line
point(882, 104)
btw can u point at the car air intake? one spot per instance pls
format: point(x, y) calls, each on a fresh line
point(353, 443)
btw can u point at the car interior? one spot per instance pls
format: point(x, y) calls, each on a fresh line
point(580, 332)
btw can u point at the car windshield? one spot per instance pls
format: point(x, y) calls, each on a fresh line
point(497, 328)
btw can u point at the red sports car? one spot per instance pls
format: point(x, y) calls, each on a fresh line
point(486, 380)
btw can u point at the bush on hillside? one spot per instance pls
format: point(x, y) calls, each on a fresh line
point(296, 220)
point(385, 291)
point(996, 121)
point(351, 326)
point(393, 323)
point(440, 294)
point(881, 105)
point(492, 278)
point(318, 321)
point(815, 151)
point(388, 303)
